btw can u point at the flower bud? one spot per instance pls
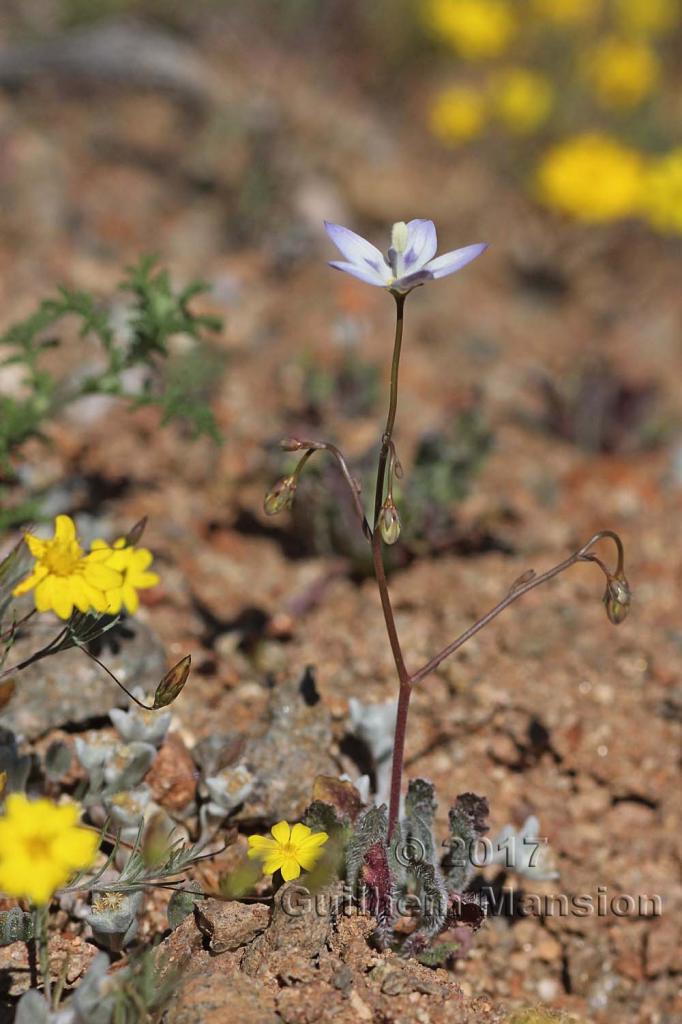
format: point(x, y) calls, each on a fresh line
point(291, 444)
point(617, 598)
point(134, 535)
point(280, 497)
point(156, 845)
point(389, 522)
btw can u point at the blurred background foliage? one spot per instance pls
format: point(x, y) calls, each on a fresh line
point(580, 99)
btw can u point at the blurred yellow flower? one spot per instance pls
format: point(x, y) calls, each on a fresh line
point(41, 847)
point(567, 12)
point(521, 99)
point(475, 29)
point(622, 72)
point(648, 17)
point(64, 577)
point(457, 114)
point(591, 177)
point(132, 564)
point(662, 193)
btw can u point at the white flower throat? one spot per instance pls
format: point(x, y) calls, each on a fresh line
point(399, 240)
point(399, 236)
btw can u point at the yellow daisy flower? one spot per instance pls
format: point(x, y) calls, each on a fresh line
point(475, 29)
point(41, 847)
point(521, 99)
point(623, 72)
point(457, 114)
point(289, 850)
point(63, 577)
point(648, 17)
point(591, 177)
point(132, 564)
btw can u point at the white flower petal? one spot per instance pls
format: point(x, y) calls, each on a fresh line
point(449, 262)
point(421, 245)
point(366, 275)
point(355, 248)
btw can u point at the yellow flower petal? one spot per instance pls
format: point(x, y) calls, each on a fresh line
point(281, 832)
point(309, 858)
point(99, 552)
point(76, 848)
point(43, 594)
point(101, 576)
point(79, 592)
point(141, 559)
point(64, 529)
point(60, 816)
point(130, 598)
point(35, 545)
point(114, 599)
point(273, 864)
point(62, 597)
point(313, 841)
point(25, 878)
point(258, 844)
point(119, 560)
point(144, 580)
point(31, 581)
point(298, 833)
point(96, 598)
point(290, 869)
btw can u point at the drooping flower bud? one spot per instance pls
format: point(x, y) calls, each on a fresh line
point(291, 444)
point(280, 497)
point(389, 522)
point(617, 599)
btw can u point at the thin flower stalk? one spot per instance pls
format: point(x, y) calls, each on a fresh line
point(410, 263)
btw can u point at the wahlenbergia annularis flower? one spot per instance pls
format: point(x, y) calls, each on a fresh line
point(410, 259)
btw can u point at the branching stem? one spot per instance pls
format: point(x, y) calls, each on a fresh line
point(581, 555)
point(388, 462)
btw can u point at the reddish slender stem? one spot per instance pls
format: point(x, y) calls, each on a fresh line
point(387, 609)
point(404, 695)
point(382, 584)
point(326, 446)
point(581, 555)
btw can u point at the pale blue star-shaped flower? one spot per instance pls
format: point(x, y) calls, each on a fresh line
point(410, 259)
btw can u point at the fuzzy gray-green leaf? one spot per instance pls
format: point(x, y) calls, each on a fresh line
point(371, 829)
point(15, 926)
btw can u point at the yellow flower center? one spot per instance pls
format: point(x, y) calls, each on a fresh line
point(38, 848)
point(62, 559)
